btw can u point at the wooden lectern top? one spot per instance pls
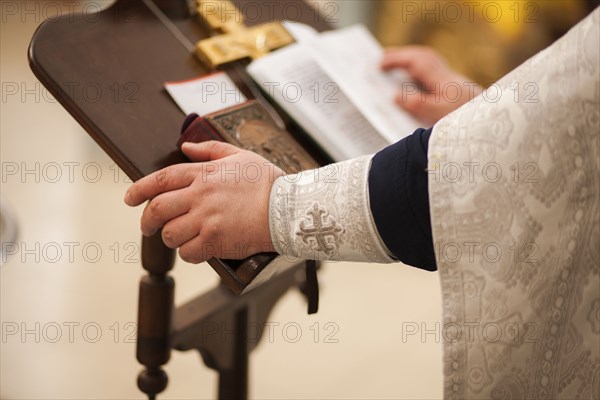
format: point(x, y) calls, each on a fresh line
point(108, 70)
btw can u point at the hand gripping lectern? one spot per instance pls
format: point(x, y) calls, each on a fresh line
point(149, 42)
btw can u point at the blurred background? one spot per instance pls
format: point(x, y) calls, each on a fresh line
point(482, 39)
point(68, 239)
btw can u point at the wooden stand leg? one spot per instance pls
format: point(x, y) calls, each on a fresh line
point(233, 383)
point(216, 324)
point(155, 311)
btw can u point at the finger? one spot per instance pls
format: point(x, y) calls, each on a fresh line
point(167, 179)
point(180, 230)
point(403, 57)
point(421, 63)
point(397, 58)
point(194, 251)
point(162, 209)
point(208, 151)
point(410, 101)
point(424, 107)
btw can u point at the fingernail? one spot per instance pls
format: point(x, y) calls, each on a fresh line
point(127, 198)
point(149, 233)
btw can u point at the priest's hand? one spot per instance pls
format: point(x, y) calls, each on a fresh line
point(437, 89)
point(214, 207)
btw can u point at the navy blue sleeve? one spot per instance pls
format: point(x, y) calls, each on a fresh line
point(400, 200)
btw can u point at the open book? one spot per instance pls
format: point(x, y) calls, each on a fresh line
point(331, 84)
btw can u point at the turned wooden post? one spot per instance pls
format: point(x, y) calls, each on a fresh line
point(157, 289)
point(155, 311)
point(233, 383)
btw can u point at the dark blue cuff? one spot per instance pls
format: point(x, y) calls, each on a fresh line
point(400, 200)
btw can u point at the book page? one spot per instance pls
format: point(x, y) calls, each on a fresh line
point(351, 56)
point(299, 85)
point(205, 94)
point(299, 31)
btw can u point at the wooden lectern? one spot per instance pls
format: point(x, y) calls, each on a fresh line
point(128, 51)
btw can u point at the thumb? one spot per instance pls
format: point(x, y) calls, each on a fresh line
point(208, 151)
point(422, 106)
point(411, 100)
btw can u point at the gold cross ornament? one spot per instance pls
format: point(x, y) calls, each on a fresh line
point(235, 41)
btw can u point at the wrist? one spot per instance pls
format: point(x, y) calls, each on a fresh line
point(324, 214)
point(265, 233)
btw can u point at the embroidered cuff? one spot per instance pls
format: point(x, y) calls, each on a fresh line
point(324, 214)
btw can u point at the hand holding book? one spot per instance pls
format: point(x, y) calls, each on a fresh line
point(436, 91)
point(205, 208)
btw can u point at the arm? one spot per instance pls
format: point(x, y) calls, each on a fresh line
point(373, 208)
point(319, 214)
